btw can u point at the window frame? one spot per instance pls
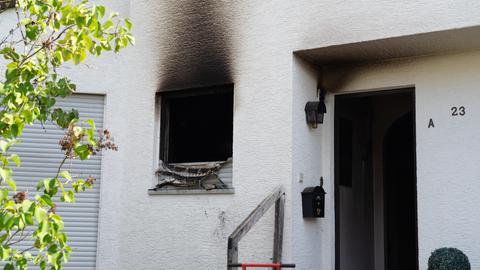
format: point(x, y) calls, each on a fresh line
point(166, 96)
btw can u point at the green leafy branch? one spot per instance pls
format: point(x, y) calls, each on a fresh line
point(47, 35)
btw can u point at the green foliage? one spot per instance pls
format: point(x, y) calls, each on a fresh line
point(48, 34)
point(448, 259)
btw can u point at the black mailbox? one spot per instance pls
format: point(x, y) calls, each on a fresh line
point(313, 202)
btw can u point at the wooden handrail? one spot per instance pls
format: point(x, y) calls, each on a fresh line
point(277, 197)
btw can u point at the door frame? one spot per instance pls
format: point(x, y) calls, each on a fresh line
point(376, 92)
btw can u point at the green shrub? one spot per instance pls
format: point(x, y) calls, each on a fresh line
point(448, 259)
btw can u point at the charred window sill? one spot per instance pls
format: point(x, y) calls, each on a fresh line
point(4, 5)
point(214, 177)
point(191, 191)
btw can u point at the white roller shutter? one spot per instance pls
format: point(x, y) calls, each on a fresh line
point(40, 155)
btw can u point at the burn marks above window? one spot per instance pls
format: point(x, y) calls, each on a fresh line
point(197, 125)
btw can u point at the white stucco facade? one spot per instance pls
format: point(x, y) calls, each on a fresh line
point(446, 186)
point(183, 44)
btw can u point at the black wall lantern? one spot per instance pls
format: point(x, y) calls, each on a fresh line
point(314, 110)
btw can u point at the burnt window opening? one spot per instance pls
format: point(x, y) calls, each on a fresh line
point(197, 125)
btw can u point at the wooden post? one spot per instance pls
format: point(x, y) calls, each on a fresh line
point(278, 234)
point(232, 256)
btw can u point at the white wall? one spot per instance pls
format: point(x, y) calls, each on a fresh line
point(311, 238)
point(250, 43)
point(447, 159)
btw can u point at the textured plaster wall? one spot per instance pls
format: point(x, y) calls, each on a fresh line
point(311, 238)
point(447, 155)
point(250, 43)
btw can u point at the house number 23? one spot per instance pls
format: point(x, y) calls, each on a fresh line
point(456, 111)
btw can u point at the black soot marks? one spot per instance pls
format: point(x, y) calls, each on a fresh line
point(6, 4)
point(197, 47)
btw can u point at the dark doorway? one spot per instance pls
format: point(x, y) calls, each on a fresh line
point(400, 186)
point(375, 181)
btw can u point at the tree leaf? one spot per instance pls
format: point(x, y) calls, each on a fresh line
point(66, 175)
point(108, 24)
point(68, 196)
point(3, 194)
point(12, 184)
point(4, 252)
point(52, 249)
point(15, 159)
point(40, 214)
point(128, 24)
point(4, 146)
point(32, 32)
point(5, 173)
point(101, 10)
point(82, 151)
point(91, 123)
point(46, 199)
point(2, 238)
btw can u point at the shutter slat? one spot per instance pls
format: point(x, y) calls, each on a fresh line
point(40, 155)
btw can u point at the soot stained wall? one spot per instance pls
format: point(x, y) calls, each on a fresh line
point(199, 46)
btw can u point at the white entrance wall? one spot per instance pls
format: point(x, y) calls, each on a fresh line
point(447, 155)
point(250, 43)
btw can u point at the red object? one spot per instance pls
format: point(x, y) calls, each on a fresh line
point(245, 265)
